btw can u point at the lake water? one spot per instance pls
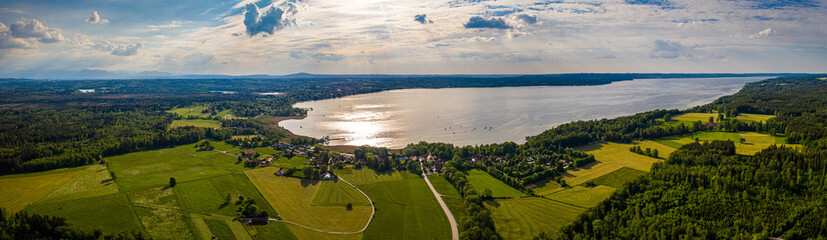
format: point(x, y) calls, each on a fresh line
point(471, 116)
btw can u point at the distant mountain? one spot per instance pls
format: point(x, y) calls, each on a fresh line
point(90, 74)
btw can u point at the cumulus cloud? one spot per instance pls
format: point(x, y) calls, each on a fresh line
point(33, 29)
point(763, 33)
point(270, 20)
point(127, 50)
point(527, 19)
point(669, 49)
point(479, 22)
point(318, 56)
point(96, 19)
point(422, 18)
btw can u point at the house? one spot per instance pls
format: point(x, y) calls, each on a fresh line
point(590, 184)
point(711, 125)
point(328, 176)
point(249, 152)
point(281, 172)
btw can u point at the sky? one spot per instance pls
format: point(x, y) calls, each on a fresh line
point(414, 37)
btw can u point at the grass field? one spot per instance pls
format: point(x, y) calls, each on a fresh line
point(457, 207)
point(195, 123)
point(271, 231)
point(612, 156)
point(754, 142)
point(617, 178)
point(202, 196)
point(220, 229)
point(294, 162)
point(154, 168)
point(92, 182)
point(524, 218)
point(405, 209)
point(442, 186)
point(292, 198)
point(165, 223)
point(481, 180)
point(583, 196)
point(332, 193)
point(111, 213)
point(244, 136)
point(365, 176)
point(704, 117)
point(18, 192)
point(198, 111)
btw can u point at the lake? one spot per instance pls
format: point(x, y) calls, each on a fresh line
point(471, 116)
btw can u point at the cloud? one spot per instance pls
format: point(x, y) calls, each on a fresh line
point(7, 41)
point(528, 19)
point(318, 56)
point(669, 49)
point(479, 22)
point(96, 19)
point(275, 18)
point(664, 4)
point(421, 18)
point(173, 24)
point(127, 50)
point(763, 33)
point(33, 29)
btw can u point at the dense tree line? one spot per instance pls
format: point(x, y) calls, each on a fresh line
point(648, 152)
point(478, 224)
point(706, 191)
point(23, 225)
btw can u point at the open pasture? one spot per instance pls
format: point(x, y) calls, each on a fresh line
point(19, 191)
point(195, 123)
point(482, 180)
point(333, 193)
point(618, 177)
point(292, 198)
point(110, 213)
point(94, 181)
point(524, 218)
point(365, 176)
point(154, 168)
point(611, 156)
point(442, 186)
point(583, 196)
point(753, 142)
point(405, 209)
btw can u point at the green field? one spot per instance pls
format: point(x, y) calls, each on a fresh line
point(220, 229)
point(332, 193)
point(611, 156)
point(617, 178)
point(18, 191)
point(524, 218)
point(704, 117)
point(442, 186)
point(292, 198)
point(110, 213)
point(405, 208)
point(481, 180)
point(583, 196)
point(92, 182)
point(198, 111)
point(195, 123)
point(165, 223)
point(154, 168)
point(365, 176)
point(754, 142)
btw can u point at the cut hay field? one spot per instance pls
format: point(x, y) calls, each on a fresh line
point(405, 208)
point(294, 162)
point(333, 193)
point(198, 112)
point(583, 196)
point(617, 178)
point(482, 180)
point(612, 156)
point(94, 181)
point(524, 218)
point(195, 123)
point(18, 191)
point(154, 168)
point(704, 117)
point(292, 198)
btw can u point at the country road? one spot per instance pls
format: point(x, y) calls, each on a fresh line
point(454, 230)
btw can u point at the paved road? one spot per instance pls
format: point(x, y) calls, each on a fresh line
point(454, 230)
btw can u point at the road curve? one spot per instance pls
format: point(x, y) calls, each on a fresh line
point(454, 230)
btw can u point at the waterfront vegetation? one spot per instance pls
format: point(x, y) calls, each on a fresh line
point(758, 172)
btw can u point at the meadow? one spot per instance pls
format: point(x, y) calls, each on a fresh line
point(583, 196)
point(198, 112)
point(292, 198)
point(333, 193)
point(110, 213)
point(94, 181)
point(442, 186)
point(14, 196)
point(482, 180)
point(524, 218)
point(753, 142)
point(195, 123)
point(405, 207)
point(154, 168)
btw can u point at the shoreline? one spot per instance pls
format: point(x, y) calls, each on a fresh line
point(290, 135)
